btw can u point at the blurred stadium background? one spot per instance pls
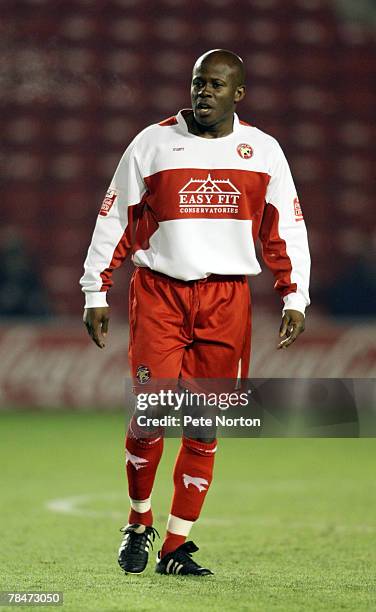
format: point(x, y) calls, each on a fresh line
point(80, 78)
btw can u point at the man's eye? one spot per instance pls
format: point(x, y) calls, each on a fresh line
point(217, 85)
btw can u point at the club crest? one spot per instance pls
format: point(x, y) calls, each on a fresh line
point(245, 150)
point(143, 374)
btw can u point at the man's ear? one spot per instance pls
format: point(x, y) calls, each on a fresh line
point(239, 93)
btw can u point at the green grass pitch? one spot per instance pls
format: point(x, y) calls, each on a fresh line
point(288, 525)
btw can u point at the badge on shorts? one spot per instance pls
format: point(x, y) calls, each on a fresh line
point(244, 150)
point(143, 374)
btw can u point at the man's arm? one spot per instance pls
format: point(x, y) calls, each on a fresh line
point(285, 248)
point(111, 242)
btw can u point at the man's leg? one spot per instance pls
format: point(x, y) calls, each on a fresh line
point(142, 459)
point(156, 347)
point(219, 352)
point(193, 474)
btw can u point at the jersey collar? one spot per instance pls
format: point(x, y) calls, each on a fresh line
point(184, 128)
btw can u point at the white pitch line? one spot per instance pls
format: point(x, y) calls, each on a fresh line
point(75, 506)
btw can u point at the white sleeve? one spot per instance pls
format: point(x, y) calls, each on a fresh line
point(112, 238)
point(284, 237)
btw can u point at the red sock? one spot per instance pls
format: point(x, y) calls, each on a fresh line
point(142, 459)
point(142, 518)
point(171, 542)
point(192, 477)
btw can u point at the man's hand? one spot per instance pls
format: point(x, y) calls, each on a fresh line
point(96, 321)
point(293, 324)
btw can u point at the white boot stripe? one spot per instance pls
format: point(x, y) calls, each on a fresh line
point(169, 565)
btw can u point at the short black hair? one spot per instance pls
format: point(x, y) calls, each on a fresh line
point(229, 58)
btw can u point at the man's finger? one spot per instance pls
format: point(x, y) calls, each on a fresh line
point(93, 329)
point(292, 336)
point(96, 322)
point(284, 325)
point(95, 336)
point(105, 326)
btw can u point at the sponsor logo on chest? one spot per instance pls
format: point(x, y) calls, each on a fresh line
point(209, 195)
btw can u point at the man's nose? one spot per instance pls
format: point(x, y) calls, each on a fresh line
point(203, 91)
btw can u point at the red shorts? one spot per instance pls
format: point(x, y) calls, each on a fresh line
point(188, 330)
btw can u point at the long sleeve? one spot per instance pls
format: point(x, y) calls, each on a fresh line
point(283, 236)
point(113, 234)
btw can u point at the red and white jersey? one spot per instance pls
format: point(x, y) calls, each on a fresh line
point(189, 207)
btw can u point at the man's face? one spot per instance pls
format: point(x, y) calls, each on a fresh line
point(214, 92)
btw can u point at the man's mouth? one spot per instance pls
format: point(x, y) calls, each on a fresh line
point(203, 108)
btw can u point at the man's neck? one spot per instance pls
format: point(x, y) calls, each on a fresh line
point(218, 130)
